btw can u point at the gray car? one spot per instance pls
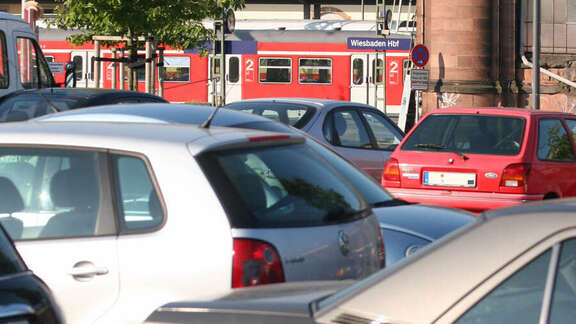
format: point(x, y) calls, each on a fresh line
point(405, 227)
point(514, 265)
point(359, 132)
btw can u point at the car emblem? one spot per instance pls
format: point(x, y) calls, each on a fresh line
point(491, 175)
point(344, 243)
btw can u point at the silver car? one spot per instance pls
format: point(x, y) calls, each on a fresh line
point(134, 215)
point(359, 132)
point(405, 227)
point(514, 265)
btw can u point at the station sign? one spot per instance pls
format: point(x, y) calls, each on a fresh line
point(379, 44)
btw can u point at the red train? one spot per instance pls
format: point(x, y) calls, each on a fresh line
point(332, 64)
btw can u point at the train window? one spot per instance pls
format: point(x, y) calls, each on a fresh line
point(233, 69)
point(406, 66)
point(275, 70)
point(315, 70)
point(176, 69)
point(34, 72)
point(3, 62)
point(215, 71)
point(378, 71)
point(79, 67)
point(358, 71)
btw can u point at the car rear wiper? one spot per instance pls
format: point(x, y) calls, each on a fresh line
point(441, 147)
point(391, 202)
point(431, 146)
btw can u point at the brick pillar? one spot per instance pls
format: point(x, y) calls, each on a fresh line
point(460, 36)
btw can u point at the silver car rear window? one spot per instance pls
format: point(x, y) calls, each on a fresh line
point(467, 133)
point(281, 186)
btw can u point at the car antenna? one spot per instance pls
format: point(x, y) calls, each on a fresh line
point(52, 107)
point(208, 121)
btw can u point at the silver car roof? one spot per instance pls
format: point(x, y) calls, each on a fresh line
point(125, 136)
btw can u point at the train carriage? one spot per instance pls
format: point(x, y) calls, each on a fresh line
point(263, 63)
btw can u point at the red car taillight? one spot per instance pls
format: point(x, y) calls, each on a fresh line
point(255, 263)
point(391, 172)
point(515, 175)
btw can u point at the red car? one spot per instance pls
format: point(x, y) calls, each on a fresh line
point(484, 158)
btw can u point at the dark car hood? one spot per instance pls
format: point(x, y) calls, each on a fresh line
point(426, 221)
point(290, 299)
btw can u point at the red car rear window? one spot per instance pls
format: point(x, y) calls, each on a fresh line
point(467, 133)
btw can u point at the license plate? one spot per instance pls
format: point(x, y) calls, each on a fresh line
point(449, 179)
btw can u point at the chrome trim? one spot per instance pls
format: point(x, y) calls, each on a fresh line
point(227, 311)
point(406, 231)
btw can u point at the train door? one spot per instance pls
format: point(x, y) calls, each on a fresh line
point(233, 75)
point(84, 69)
point(364, 78)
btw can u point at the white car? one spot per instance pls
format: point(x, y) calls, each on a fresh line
point(118, 219)
point(515, 265)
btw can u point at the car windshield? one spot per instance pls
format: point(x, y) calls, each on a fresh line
point(281, 186)
point(467, 133)
point(290, 114)
point(30, 105)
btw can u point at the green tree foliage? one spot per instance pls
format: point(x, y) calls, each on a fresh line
point(176, 23)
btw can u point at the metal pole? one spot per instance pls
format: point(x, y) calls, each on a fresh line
point(222, 66)
point(362, 4)
point(147, 66)
point(121, 68)
point(536, 57)
point(115, 69)
point(96, 67)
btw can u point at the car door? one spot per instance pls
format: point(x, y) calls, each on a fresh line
point(63, 225)
point(349, 132)
point(555, 159)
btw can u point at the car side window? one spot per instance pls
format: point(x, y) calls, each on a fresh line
point(49, 193)
point(139, 207)
point(571, 123)
point(4, 78)
point(345, 128)
point(517, 300)
point(562, 308)
point(554, 142)
point(387, 137)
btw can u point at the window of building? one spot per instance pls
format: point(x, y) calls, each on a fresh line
point(571, 14)
point(3, 62)
point(176, 69)
point(275, 70)
point(315, 70)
